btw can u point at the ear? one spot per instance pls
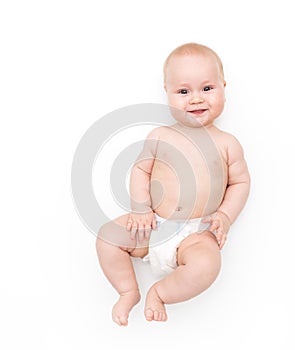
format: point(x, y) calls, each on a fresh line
point(224, 83)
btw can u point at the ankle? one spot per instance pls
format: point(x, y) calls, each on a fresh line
point(130, 293)
point(154, 291)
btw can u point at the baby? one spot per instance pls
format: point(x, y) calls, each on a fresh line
point(187, 187)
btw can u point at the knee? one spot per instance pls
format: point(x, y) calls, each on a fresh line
point(104, 248)
point(112, 235)
point(100, 245)
point(105, 238)
point(206, 268)
point(210, 263)
point(203, 263)
point(101, 238)
point(104, 232)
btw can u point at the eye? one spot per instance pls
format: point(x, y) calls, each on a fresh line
point(207, 88)
point(183, 91)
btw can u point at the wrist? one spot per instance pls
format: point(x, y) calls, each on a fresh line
point(224, 214)
point(142, 210)
point(140, 207)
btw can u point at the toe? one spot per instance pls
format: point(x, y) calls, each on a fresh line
point(123, 321)
point(156, 315)
point(149, 314)
point(160, 316)
point(117, 320)
point(164, 317)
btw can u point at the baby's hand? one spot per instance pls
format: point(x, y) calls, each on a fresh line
point(220, 225)
point(142, 225)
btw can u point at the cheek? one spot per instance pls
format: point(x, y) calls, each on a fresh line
point(177, 101)
point(218, 101)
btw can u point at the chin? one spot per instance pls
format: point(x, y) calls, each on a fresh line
point(194, 121)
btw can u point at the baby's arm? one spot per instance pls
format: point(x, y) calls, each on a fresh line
point(238, 182)
point(236, 193)
point(142, 219)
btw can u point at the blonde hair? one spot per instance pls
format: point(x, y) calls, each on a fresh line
point(190, 49)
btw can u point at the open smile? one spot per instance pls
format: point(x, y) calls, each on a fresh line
point(198, 112)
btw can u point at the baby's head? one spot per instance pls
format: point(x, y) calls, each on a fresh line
point(192, 49)
point(194, 82)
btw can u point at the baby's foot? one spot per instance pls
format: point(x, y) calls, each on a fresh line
point(154, 307)
point(123, 306)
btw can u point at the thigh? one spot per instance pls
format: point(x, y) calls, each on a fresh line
point(199, 261)
point(201, 248)
point(114, 232)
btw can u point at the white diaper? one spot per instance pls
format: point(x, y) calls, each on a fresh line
point(167, 238)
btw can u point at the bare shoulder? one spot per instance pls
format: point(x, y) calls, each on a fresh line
point(158, 133)
point(230, 145)
point(151, 143)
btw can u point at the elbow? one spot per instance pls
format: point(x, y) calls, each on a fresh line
point(248, 182)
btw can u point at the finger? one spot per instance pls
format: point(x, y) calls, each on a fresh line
point(218, 240)
point(223, 240)
point(207, 219)
point(219, 235)
point(140, 234)
point(147, 231)
point(133, 231)
point(129, 224)
point(214, 226)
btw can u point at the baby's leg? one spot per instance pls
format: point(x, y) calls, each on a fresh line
point(198, 266)
point(116, 264)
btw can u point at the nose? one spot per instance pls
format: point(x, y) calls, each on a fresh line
point(196, 98)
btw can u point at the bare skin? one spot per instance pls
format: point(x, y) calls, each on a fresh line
point(117, 266)
point(193, 184)
point(198, 266)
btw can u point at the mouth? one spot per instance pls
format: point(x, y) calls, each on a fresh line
point(198, 112)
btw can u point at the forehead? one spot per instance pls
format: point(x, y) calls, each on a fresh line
point(192, 66)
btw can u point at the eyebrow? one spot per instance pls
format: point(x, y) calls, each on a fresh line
point(202, 83)
point(207, 82)
point(185, 84)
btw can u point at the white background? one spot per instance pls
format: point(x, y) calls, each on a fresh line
point(64, 64)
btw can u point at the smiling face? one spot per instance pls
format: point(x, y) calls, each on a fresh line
point(195, 86)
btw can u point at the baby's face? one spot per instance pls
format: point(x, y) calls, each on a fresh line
point(194, 85)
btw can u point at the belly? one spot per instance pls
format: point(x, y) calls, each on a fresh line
point(187, 191)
